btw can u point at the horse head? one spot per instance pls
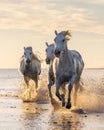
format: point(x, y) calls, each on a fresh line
point(49, 52)
point(28, 54)
point(61, 40)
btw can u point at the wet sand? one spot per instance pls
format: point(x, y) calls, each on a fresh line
point(41, 115)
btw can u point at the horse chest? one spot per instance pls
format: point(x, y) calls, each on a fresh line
point(28, 71)
point(64, 77)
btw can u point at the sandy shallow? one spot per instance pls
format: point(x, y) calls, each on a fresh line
point(41, 115)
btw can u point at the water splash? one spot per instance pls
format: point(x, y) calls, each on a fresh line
point(90, 101)
point(28, 93)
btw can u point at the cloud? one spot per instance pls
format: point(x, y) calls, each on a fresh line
point(45, 16)
point(97, 1)
point(90, 1)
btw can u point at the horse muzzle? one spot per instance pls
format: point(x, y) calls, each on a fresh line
point(47, 61)
point(28, 61)
point(57, 53)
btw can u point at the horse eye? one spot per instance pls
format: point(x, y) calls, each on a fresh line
point(30, 53)
point(46, 50)
point(63, 40)
point(24, 53)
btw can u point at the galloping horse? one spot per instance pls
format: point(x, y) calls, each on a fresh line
point(30, 66)
point(50, 56)
point(69, 68)
point(50, 52)
point(66, 68)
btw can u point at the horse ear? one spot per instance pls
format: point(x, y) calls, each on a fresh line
point(46, 44)
point(56, 32)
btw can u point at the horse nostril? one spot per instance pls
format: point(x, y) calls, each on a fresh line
point(57, 53)
point(47, 61)
point(27, 61)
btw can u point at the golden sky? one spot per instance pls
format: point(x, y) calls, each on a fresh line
point(32, 23)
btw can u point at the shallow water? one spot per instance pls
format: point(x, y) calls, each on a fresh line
point(39, 115)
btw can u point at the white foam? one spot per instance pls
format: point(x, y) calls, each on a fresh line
point(28, 93)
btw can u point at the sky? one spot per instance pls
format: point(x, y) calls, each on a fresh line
point(32, 23)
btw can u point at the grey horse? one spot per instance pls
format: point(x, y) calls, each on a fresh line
point(67, 68)
point(30, 66)
point(50, 52)
point(50, 59)
point(50, 56)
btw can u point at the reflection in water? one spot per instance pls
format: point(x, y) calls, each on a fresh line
point(29, 107)
point(40, 117)
point(29, 115)
point(64, 120)
point(35, 116)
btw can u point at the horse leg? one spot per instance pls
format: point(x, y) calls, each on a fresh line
point(51, 82)
point(68, 105)
point(57, 90)
point(63, 95)
point(49, 88)
point(36, 82)
point(26, 79)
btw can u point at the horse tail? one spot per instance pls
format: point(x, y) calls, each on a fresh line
point(81, 84)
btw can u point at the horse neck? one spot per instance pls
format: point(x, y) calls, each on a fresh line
point(34, 57)
point(28, 67)
point(51, 62)
point(65, 58)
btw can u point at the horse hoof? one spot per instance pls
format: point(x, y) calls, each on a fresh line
point(68, 106)
point(59, 97)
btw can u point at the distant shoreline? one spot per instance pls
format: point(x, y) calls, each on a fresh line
point(47, 67)
point(93, 68)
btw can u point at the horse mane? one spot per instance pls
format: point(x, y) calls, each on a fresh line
point(65, 33)
point(35, 57)
point(52, 44)
point(29, 48)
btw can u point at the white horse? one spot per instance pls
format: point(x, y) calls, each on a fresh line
point(69, 67)
point(50, 52)
point(30, 66)
point(52, 61)
point(66, 67)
